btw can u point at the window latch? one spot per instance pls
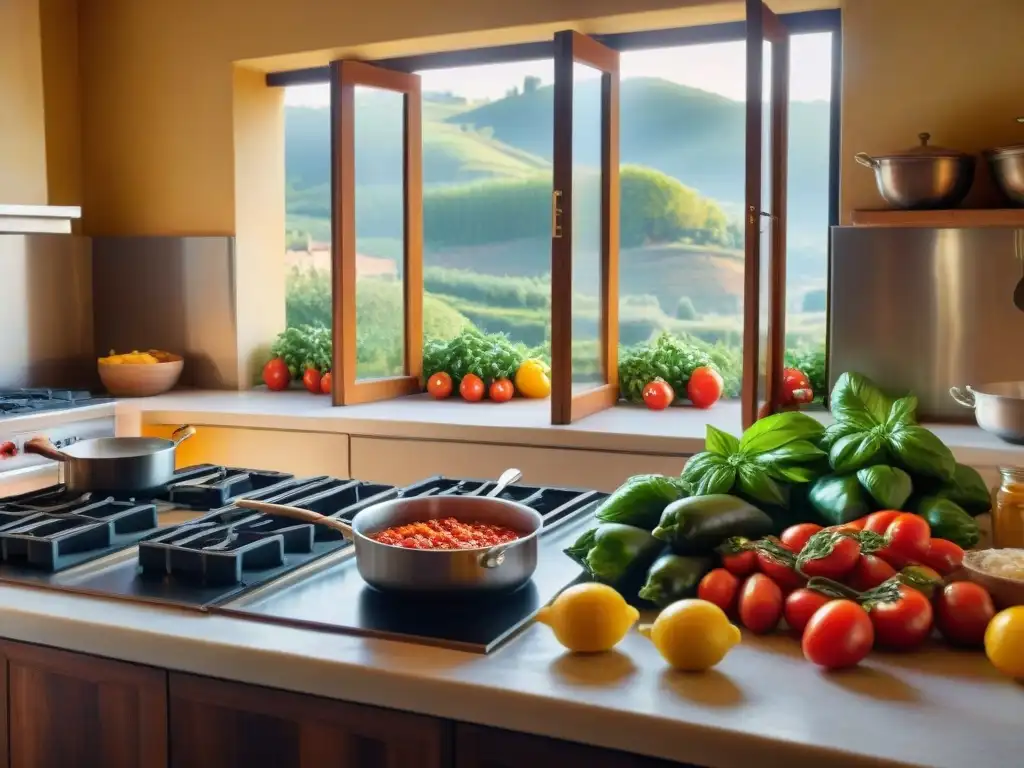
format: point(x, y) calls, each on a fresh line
point(556, 214)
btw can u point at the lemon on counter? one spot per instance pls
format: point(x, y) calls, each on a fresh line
point(692, 635)
point(589, 618)
point(1004, 642)
point(533, 379)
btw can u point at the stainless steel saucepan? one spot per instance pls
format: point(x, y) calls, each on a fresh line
point(114, 464)
point(998, 408)
point(505, 567)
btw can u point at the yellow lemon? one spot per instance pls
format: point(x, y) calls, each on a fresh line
point(588, 618)
point(1004, 642)
point(533, 379)
point(692, 635)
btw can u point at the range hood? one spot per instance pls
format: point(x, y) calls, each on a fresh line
point(42, 219)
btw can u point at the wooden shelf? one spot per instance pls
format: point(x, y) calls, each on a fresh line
point(952, 218)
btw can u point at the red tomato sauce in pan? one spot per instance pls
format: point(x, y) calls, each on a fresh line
point(446, 533)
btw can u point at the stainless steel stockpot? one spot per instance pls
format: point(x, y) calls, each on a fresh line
point(924, 176)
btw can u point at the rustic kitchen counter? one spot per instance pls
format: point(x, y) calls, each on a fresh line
point(764, 705)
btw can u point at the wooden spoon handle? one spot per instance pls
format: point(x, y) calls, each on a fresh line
point(297, 513)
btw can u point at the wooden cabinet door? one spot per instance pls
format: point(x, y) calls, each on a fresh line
point(230, 725)
point(70, 710)
point(479, 747)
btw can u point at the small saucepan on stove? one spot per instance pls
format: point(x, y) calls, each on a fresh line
point(504, 567)
point(115, 464)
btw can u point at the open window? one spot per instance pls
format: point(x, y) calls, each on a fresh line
point(585, 229)
point(376, 150)
point(764, 301)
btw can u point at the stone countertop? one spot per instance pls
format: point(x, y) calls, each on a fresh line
point(633, 429)
point(763, 705)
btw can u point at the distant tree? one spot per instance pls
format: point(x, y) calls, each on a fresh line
point(814, 301)
point(685, 309)
point(512, 92)
point(296, 240)
point(530, 84)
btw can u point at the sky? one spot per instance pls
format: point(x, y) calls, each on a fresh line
point(717, 67)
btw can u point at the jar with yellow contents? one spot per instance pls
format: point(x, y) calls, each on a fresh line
point(1008, 513)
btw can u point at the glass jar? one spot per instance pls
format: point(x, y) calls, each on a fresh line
point(1008, 513)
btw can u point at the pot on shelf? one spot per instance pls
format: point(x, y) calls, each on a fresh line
point(1007, 165)
point(998, 408)
point(921, 177)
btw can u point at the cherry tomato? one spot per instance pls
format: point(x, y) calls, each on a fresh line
point(839, 635)
point(311, 380)
point(944, 556)
point(704, 387)
point(910, 536)
point(719, 587)
point(800, 606)
point(963, 610)
point(325, 383)
point(905, 623)
point(760, 604)
point(740, 564)
point(796, 387)
point(869, 572)
point(658, 395)
point(501, 390)
point(794, 537)
point(780, 573)
point(472, 388)
point(276, 375)
point(856, 525)
point(878, 522)
point(439, 386)
point(832, 564)
point(922, 578)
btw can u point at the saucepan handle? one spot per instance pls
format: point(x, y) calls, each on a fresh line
point(964, 397)
point(41, 446)
point(182, 433)
point(866, 160)
point(495, 556)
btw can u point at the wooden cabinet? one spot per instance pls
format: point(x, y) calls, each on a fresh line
point(479, 747)
point(231, 725)
point(69, 710)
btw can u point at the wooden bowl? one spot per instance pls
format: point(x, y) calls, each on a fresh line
point(140, 379)
point(1005, 592)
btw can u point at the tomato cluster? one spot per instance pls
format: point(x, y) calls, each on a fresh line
point(878, 581)
point(471, 388)
point(277, 377)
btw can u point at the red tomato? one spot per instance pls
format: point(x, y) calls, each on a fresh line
point(963, 610)
point(311, 380)
point(704, 387)
point(501, 390)
point(800, 606)
point(839, 635)
point(439, 386)
point(325, 383)
point(796, 387)
point(868, 573)
point(719, 587)
point(905, 623)
point(794, 537)
point(658, 395)
point(922, 578)
point(780, 573)
point(878, 522)
point(276, 375)
point(910, 536)
point(760, 604)
point(740, 564)
point(834, 564)
point(856, 525)
point(944, 556)
point(472, 388)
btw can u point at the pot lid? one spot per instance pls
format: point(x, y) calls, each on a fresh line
point(1011, 149)
point(922, 150)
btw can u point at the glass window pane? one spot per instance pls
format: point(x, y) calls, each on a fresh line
point(380, 232)
point(587, 313)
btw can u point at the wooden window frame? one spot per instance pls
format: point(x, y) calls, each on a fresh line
point(764, 26)
point(345, 76)
point(571, 48)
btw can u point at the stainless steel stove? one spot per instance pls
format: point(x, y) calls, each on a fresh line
point(17, 402)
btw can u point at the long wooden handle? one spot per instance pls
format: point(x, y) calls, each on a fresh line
point(298, 513)
point(41, 446)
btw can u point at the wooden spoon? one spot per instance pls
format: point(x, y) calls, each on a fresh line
point(298, 513)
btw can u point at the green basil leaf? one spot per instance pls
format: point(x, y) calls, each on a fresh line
point(856, 396)
point(698, 464)
point(903, 411)
point(837, 430)
point(921, 452)
point(794, 474)
point(755, 483)
point(720, 442)
point(890, 487)
point(798, 462)
point(777, 430)
point(839, 499)
point(718, 480)
point(858, 450)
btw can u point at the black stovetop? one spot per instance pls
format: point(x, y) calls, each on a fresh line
point(15, 402)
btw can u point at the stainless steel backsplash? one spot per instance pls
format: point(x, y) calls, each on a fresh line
point(925, 309)
point(46, 320)
point(172, 293)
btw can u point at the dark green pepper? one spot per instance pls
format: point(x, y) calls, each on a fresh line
point(640, 500)
point(967, 489)
point(839, 499)
point(696, 525)
point(949, 521)
point(612, 551)
point(673, 577)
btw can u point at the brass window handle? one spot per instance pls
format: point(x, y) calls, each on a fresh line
point(556, 213)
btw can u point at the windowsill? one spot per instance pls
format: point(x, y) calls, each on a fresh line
point(626, 428)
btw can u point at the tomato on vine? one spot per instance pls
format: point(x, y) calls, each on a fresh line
point(439, 386)
point(472, 388)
